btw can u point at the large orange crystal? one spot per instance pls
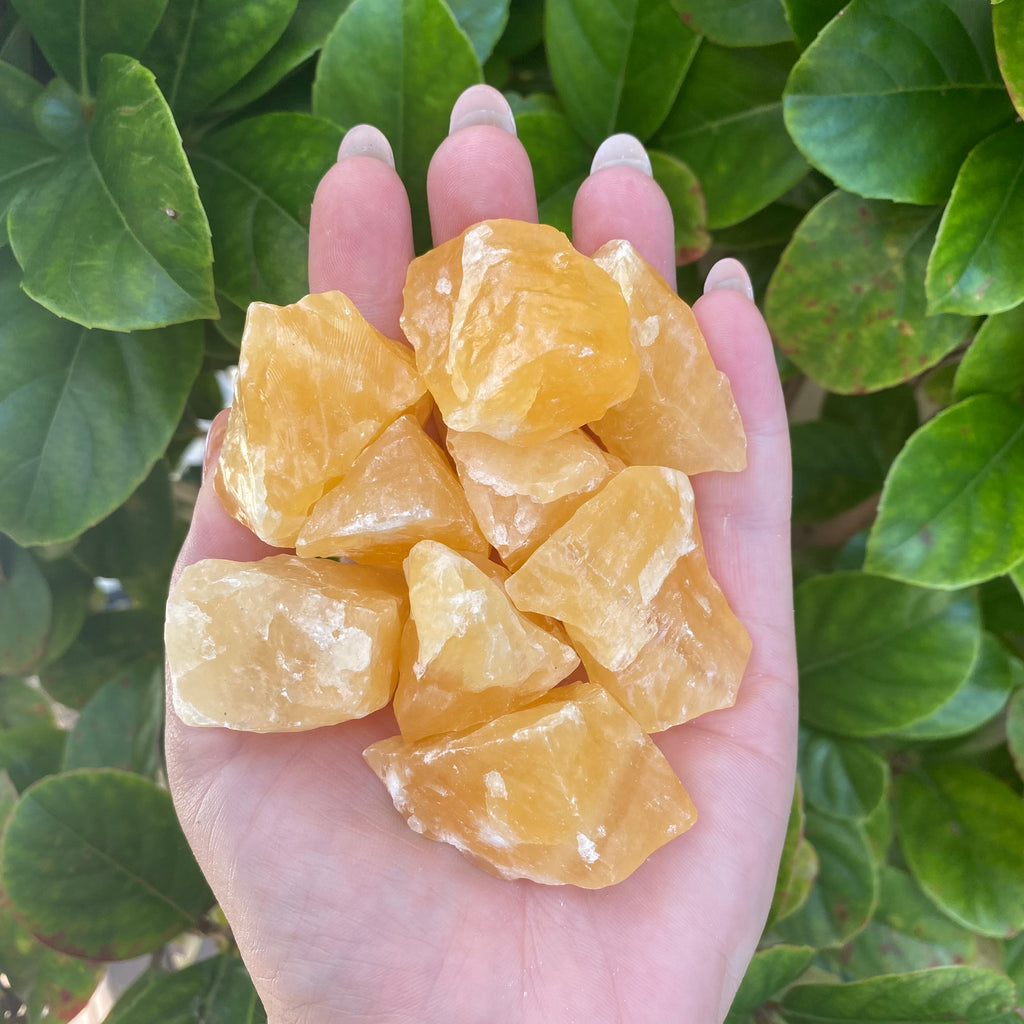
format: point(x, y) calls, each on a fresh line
point(682, 413)
point(568, 790)
point(468, 655)
point(282, 645)
point(517, 334)
point(400, 490)
point(316, 383)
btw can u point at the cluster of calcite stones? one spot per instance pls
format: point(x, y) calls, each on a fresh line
point(466, 580)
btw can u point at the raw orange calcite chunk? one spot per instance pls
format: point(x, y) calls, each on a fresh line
point(316, 383)
point(599, 573)
point(400, 490)
point(284, 644)
point(517, 334)
point(520, 495)
point(682, 413)
point(569, 790)
point(468, 655)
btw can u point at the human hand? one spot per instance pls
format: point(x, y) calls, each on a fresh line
point(340, 911)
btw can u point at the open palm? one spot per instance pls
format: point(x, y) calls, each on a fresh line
point(340, 911)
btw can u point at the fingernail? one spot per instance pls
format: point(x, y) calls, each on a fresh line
point(365, 140)
point(622, 151)
point(481, 104)
point(214, 440)
point(730, 275)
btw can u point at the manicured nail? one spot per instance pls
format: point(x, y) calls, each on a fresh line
point(365, 140)
point(622, 151)
point(480, 104)
point(731, 275)
point(214, 441)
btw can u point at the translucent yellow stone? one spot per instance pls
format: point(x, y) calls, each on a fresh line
point(468, 655)
point(599, 573)
point(400, 490)
point(567, 791)
point(316, 383)
point(520, 495)
point(282, 645)
point(516, 334)
point(682, 413)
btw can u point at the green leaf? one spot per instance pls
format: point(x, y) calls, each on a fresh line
point(74, 34)
point(974, 266)
point(617, 64)
point(736, 22)
point(727, 125)
point(18, 93)
point(1008, 23)
point(215, 991)
point(116, 237)
point(962, 833)
point(847, 299)
point(203, 47)
point(95, 864)
point(24, 161)
point(1014, 962)
point(1015, 730)
point(26, 607)
point(28, 752)
point(877, 655)
point(845, 893)
point(60, 115)
point(560, 161)
point(21, 703)
point(399, 65)
point(952, 511)
point(966, 995)
point(995, 360)
point(982, 696)
point(8, 799)
point(921, 73)
point(808, 17)
point(483, 22)
point(798, 867)
point(305, 34)
point(71, 589)
point(884, 419)
point(83, 414)
point(121, 723)
point(1017, 575)
point(844, 778)
point(257, 180)
point(689, 211)
point(770, 971)
point(878, 828)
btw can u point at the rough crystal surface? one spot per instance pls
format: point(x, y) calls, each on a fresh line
point(516, 333)
point(600, 571)
point(284, 644)
point(468, 655)
point(316, 383)
point(568, 790)
point(682, 413)
point(400, 490)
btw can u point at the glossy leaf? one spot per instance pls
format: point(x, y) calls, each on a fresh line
point(116, 237)
point(1015, 730)
point(952, 511)
point(877, 655)
point(798, 867)
point(72, 589)
point(83, 414)
point(257, 180)
point(995, 360)
point(878, 828)
point(203, 47)
point(24, 161)
point(95, 864)
point(399, 65)
point(921, 73)
point(1013, 962)
point(60, 115)
point(982, 696)
point(962, 833)
point(483, 22)
point(727, 125)
point(560, 161)
point(21, 703)
point(29, 752)
point(689, 211)
point(770, 971)
point(974, 267)
point(26, 608)
point(74, 34)
point(1008, 22)
point(736, 22)
point(617, 64)
point(18, 93)
point(844, 778)
point(808, 17)
point(967, 995)
point(847, 301)
point(883, 419)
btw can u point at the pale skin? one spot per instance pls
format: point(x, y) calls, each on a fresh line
point(340, 911)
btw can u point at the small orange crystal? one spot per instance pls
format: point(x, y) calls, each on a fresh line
point(316, 383)
point(282, 645)
point(400, 490)
point(516, 333)
point(568, 790)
